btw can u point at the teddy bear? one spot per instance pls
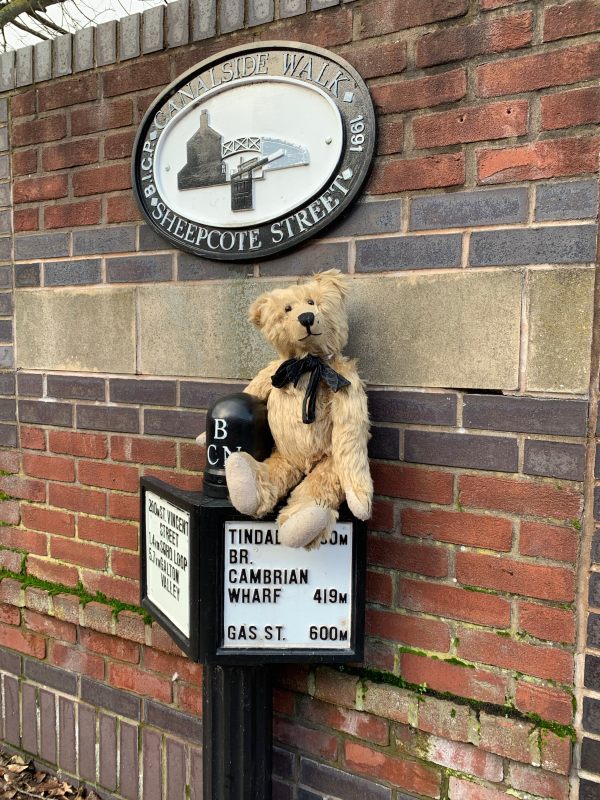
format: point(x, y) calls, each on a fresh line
point(317, 413)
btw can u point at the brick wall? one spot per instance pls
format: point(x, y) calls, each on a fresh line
point(472, 258)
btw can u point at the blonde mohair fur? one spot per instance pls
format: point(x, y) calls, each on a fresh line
point(322, 462)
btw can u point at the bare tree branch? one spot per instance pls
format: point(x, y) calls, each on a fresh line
point(22, 27)
point(46, 22)
point(10, 11)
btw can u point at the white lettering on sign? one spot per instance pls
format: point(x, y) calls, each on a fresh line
point(284, 598)
point(168, 560)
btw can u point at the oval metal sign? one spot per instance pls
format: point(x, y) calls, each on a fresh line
point(254, 150)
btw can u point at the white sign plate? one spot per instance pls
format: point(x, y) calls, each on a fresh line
point(168, 560)
point(276, 597)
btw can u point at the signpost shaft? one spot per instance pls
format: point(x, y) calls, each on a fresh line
point(237, 719)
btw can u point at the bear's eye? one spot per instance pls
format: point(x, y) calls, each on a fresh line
point(287, 309)
point(310, 302)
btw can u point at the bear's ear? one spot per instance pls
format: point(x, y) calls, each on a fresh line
point(333, 279)
point(256, 310)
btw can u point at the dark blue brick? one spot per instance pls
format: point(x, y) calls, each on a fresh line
point(408, 252)
point(567, 200)
point(466, 209)
point(574, 244)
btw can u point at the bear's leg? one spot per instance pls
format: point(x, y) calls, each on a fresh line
point(256, 486)
point(311, 511)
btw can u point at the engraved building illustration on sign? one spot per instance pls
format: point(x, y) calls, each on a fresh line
point(210, 163)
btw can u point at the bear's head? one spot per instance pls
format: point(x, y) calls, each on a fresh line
point(305, 318)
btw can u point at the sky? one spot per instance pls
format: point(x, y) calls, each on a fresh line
point(72, 15)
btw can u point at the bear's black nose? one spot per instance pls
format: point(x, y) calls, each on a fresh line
point(307, 319)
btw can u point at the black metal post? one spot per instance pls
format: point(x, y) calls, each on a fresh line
point(237, 719)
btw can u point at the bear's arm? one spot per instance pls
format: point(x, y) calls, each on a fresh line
point(349, 440)
point(260, 386)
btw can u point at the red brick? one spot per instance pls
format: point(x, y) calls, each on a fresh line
point(532, 497)
point(377, 60)
point(477, 684)
point(189, 483)
point(76, 660)
point(412, 484)
point(473, 530)
point(52, 571)
point(133, 77)
point(33, 438)
point(10, 511)
point(121, 506)
point(387, 16)
point(70, 154)
point(11, 592)
point(189, 698)
point(103, 531)
point(472, 124)
point(28, 190)
point(527, 73)
point(408, 775)
point(28, 643)
point(101, 117)
point(425, 92)
point(381, 655)
point(98, 616)
point(131, 626)
point(539, 782)
point(108, 476)
point(380, 588)
point(390, 136)
point(69, 215)
point(143, 451)
point(10, 461)
point(549, 541)
point(119, 145)
point(548, 159)
point(26, 219)
point(571, 19)
point(133, 679)
point(48, 519)
point(544, 622)
point(557, 752)
point(467, 790)
point(112, 646)
point(547, 703)
point(429, 172)
point(283, 702)
point(114, 588)
point(506, 737)
point(192, 457)
point(318, 743)
point(171, 665)
point(24, 162)
point(484, 36)
point(127, 565)
point(450, 601)
point(355, 723)
point(122, 208)
point(25, 540)
point(162, 641)
point(35, 131)
point(415, 631)
point(67, 93)
point(38, 600)
point(516, 577)
point(10, 560)
point(408, 556)
point(501, 651)
point(442, 718)
point(332, 687)
point(97, 180)
point(9, 615)
point(23, 104)
point(82, 553)
point(382, 516)
point(76, 499)
point(53, 468)
point(66, 608)
point(88, 445)
point(23, 488)
point(573, 107)
point(49, 626)
point(465, 758)
point(489, 5)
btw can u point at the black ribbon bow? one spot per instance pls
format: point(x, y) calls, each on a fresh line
point(292, 370)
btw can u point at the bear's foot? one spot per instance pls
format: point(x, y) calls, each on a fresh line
point(307, 527)
point(359, 503)
point(240, 474)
